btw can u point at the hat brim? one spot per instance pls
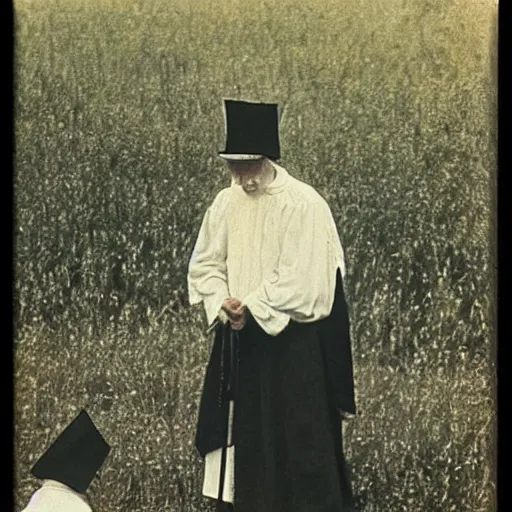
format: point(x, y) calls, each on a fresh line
point(241, 157)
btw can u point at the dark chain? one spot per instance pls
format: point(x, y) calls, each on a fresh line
point(221, 386)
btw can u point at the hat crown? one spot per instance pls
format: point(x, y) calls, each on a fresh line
point(252, 128)
point(75, 456)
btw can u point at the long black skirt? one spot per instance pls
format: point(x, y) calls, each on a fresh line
point(288, 390)
point(287, 428)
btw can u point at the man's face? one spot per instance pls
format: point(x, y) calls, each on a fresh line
point(248, 174)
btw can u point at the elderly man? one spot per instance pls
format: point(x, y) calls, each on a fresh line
point(268, 267)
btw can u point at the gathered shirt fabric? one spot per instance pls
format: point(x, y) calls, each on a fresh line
point(54, 496)
point(277, 252)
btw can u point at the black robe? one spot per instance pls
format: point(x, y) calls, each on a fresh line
point(289, 390)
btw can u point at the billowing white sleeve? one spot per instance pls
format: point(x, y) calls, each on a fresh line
point(207, 271)
point(302, 286)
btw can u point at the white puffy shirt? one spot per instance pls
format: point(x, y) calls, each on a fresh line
point(277, 252)
point(54, 496)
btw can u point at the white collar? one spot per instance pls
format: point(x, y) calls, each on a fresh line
point(279, 181)
point(55, 484)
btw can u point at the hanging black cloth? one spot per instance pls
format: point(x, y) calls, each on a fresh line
point(287, 429)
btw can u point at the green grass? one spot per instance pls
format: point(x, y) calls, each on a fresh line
point(388, 109)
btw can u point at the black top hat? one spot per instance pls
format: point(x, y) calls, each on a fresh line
point(75, 456)
point(252, 130)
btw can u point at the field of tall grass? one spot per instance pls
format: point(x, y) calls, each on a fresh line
point(387, 108)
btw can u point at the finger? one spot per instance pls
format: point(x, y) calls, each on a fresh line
point(235, 305)
point(232, 303)
point(226, 304)
point(230, 310)
point(236, 320)
point(239, 324)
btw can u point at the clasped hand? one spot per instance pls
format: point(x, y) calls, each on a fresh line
point(237, 313)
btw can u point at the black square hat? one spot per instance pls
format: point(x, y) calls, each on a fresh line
point(252, 130)
point(75, 456)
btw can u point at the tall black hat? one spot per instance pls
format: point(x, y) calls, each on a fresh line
point(252, 131)
point(75, 456)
